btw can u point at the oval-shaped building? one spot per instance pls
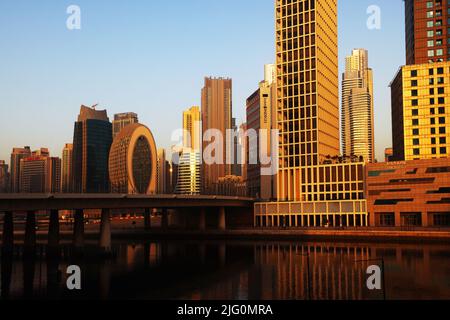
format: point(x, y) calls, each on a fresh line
point(133, 160)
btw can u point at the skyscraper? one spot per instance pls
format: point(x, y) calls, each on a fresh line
point(357, 107)
point(121, 120)
point(315, 187)
point(216, 115)
point(4, 177)
point(426, 31)
point(91, 144)
point(66, 178)
point(40, 173)
point(161, 172)
point(192, 126)
point(16, 155)
point(261, 118)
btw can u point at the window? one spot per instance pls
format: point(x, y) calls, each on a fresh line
point(431, 91)
point(415, 102)
point(433, 130)
point(415, 112)
point(433, 151)
point(440, 80)
point(430, 34)
point(416, 142)
point(414, 83)
point(440, 71)
point(413, 73)
point(414, 93)
point(441, 90)
point(430, 43)
point(443, 150)
point(431, 53)
point(432, 121)
point(442, 110)
point(416, 152)
point(433, 141)
point(430, 24)
point(415, 122)
point(430, 72)
point(431, 101)
point(439, 52)
point(442, 120)
point(443, 140)
point(415, 132)
point(442, 130)
point(432, 111)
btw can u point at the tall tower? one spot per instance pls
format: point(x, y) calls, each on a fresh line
point(40, 173)
point(17, 155)
point(307, 89)
point(426, 31)
point(121, 120)
point(217, 115)
point(91, 144)
point(161, 175)
point(357, 107)
point(4, 177)
point(66, 178)
point(192, 126)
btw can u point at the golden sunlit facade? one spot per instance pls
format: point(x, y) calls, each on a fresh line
point(316, 187)
point(192, 124)
point(421, 112)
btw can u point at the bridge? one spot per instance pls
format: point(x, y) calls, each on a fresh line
point(195, 208)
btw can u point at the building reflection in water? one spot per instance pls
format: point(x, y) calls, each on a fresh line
point(238, 271)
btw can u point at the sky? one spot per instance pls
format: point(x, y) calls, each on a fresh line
point(150, 57)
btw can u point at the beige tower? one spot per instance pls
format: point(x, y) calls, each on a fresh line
point(66, 177)
point(357, 107)
point(216, 115)
point(192, 125)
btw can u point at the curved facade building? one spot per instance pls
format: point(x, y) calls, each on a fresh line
point(133, 160)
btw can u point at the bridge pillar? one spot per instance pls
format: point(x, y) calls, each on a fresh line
point(148, 219)
point(202, 219)
point(30, 232)
point(105, 231)
point(165, 219)
point(8, 233)
point(53, 230)
point(222, 219)
point(78, 229)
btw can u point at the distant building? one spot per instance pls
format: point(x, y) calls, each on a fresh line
point(40, 173)
point(232, 186)
point(388, 155)
point(16, 155)
point(421, 112)
point(216, 115)
point(133, 161)
point(121, 120)
point(192, 125)
point(66, 178)
point(358, 137)
point(91, 144)
point(189, 174)
point(261, 119)
point(161, 172)
point(4, 177)
point(409, 193)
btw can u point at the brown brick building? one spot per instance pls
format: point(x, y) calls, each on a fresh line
point(409, 193)
point(426, 31)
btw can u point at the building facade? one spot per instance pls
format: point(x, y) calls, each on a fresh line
point(161, 172)
point(261, 120)
point(357, 107)
point(427, 31)
point(4, 177)
point(121, 120)
point(133, 161)
point(40, 173)
point(91, 145)
point(66, 175)
point(189, 173)
point(216, 115)
point(192, 126)
point(17, 155)
point(420, 111)
point(312, 190)
point(409, 193)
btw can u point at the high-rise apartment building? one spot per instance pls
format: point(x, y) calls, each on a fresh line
point(91, 144)
point(427, 31)
point(66, 176)
point(261, 119)
point(16, 155)
point(192, 127)
point(40, 173)
point(421, 111)
point(121, 120)
point(217, 116)
point(4, 177)
point(312, 190)
point(357, 107)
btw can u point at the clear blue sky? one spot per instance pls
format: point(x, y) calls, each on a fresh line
point(150, 57)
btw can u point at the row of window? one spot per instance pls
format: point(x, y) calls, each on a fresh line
point(441, 110)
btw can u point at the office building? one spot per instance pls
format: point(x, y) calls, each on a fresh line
point(409, 193)
point(216, 115)
point(121, 120)
point(192, 125)
point(133, 161)
point(420, 111)
point(261, 120)
point(17, 155)
point(161, 172)
point(312, 190)
point(40, 173)
point(189, 174)
point(427, 31)
point(4, 177)
point(91, 144)
point(66, 176)
point(357, 107)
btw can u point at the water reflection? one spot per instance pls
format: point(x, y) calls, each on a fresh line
point(236, 270)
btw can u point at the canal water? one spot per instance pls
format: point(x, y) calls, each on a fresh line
point(238, 271)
